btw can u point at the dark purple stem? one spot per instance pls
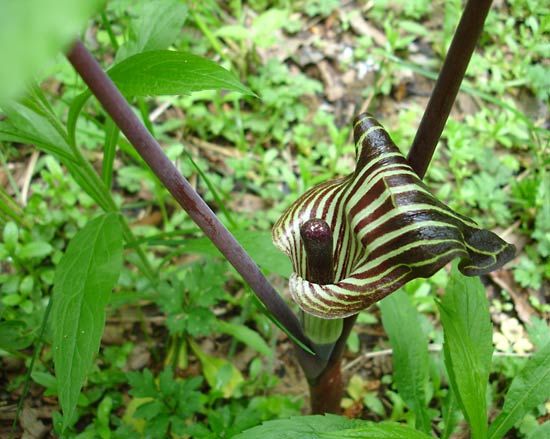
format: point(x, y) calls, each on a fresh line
point(448, 82)
point(148, 148)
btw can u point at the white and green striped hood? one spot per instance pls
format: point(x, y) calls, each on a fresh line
point(388, 229)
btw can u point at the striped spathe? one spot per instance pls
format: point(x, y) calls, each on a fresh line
point(388, 229)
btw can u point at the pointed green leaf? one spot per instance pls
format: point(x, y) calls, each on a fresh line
point(410, 354)
point(165, 72)
point(36, 249)
point(83, 282)
point(529, 389)
point(468, 347)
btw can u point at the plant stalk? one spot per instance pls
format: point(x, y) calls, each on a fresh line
point(148, 148)
point(448, 82)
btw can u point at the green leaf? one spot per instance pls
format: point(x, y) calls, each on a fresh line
point(83, 282)
point(329, 426)
point(219, 373)
point(10, 235)
point(247, 336)
point(165, 72)
point(468, 347)
point(410, 354)
point(32, 32)
point(529, 388)
point(36, 249)
point(156, 27)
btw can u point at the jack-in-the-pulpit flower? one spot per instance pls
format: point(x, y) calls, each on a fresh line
point(388, 229)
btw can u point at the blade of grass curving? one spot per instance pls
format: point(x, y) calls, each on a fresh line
point(10, 209)
point(112, 134)
point(83, 282)
point(468, 347)
point(529, 388)
point(280, 325)
point(410, 354)
point(212, 189)
point(74, 111)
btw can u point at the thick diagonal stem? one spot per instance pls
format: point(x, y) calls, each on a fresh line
point(148, 148)
point(448, 82)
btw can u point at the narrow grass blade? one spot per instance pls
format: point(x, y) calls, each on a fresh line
point(109, 149)
point(212, 189)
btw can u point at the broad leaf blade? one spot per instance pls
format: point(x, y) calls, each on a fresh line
point(83, 282)
point(165, 72)
point(468, 347)
point(410, 354)
point(329, 426)
point(529, 389)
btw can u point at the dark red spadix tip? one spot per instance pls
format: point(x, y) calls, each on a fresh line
point(317, 239)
